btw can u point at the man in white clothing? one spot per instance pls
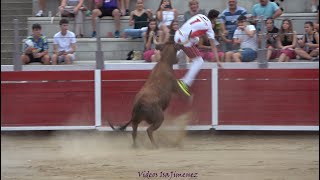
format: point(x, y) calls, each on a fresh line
point(64, 44)
point(188, 35)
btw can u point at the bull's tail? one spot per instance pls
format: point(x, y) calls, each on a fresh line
point(121, 128)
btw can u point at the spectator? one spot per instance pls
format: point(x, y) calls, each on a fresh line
point(125, 7)
point(165, 15)
point(188, 36)
point(140, 19)
point(287, 41)
point(74, 8)
point(193, 10)
point(205, 50)
point(246, 36)
point(229, 18)
point(314, 6)
point(151, 54)
point(106, 8)
point(271, 39)
point(36, 47)
point(64, 44)
point(309, 44)
point(42, 6)
point(266, 9)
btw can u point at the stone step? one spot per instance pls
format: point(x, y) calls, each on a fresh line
point(290, 6)
point(17, 11)
point(9, 19)
point(17, 1)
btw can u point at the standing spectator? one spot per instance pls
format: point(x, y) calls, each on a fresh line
point(74, 8)
point(140, 19)
point(151, 54)
point(36, 47)
point(287, 41)
point(266, 9)
point(64, 44)
point(106, 8)
point(193, 10)
point(272, 39)
point(314, 6)
point(42, 6)
point(188, 35)
point(165, 15)
point(309, 44)
point(246, 36)
point(229, 18)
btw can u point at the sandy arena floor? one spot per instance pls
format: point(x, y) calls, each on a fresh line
point(91, 155)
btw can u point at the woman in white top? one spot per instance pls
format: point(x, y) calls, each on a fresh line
point(165, 15)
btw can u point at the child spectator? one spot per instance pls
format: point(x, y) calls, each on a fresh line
point(271, 39)
point(36, 47)
point(74, 8)
point(64, 44)
point(106, 8)
point(151, 54)
point(309, 44)
point(287, 41)
point(165, 15)
point(140, 19)
point(193, 10)
point(245, 35)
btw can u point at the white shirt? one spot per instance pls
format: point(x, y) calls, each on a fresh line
point(198, 25)
point(64, 42)
point(246, 40)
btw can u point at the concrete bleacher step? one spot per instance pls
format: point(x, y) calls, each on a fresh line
point(113, 48)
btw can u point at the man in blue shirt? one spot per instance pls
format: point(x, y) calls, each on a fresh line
point(266, 9)
point(229, 18)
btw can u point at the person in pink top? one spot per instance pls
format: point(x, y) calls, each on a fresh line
point(188, 36)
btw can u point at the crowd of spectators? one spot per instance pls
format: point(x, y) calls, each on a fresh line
point(235, 31)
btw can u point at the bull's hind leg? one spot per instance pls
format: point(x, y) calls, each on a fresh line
point(134, 133)
point(156, 119)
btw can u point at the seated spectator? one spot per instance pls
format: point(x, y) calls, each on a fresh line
point(266, 9)
point(229, 18)
point(316, 24)
point(193, 10)
point(165, 15)
point(74, 8)
point(36, 47)
point(151, 54)
point(206, 52)
point(245, 35)
point(309, 45)
point(64, 44)
point(271, 39)
point(140, 19)
point(314, 6)
point(124, 7)
point(287, 41)
point(42, 7)
point(106, 8)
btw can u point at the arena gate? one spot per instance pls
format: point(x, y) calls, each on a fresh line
point(284, 96)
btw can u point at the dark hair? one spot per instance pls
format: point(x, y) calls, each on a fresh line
point(36, 26)
point(310, 23)
point(271, 19)
point(242, 18)
point(213, 14)
point(63, 21)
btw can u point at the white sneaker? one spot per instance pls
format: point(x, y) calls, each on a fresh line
point(39, 14)
point(314, 8)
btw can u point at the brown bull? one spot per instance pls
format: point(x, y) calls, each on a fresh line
point(154, 97)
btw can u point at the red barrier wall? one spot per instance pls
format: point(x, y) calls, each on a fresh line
point(269, 97)
point(120, 87)
point(47, 98)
